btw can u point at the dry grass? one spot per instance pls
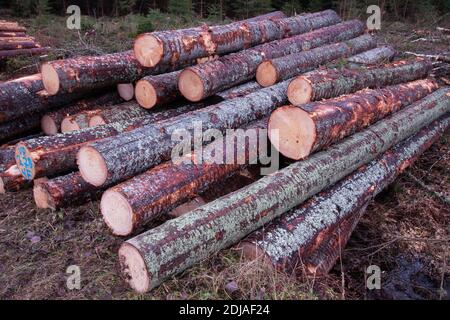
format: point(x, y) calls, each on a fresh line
point(405, 231)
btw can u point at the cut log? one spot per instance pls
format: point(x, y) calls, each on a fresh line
point(6, 27)
point(296, 132)
point(292, 239)
point(87, 73)
point(325, 84)
point(19, 127)
point(77, 121)
point(22, 97)
point(163, 47)
point(11, 180)
point(152, 257)
point(124, 156)
point(160, 89)
point(239, 91)
point(52, 155)
point(120, 112)
point(62, 191)
point(18, 52)
point(126, 91)
point(126, 208)
point(272, 71)
point(374, 56)
point(51, 122)
point(5, 34)
point(18, 45)
point(204, 80)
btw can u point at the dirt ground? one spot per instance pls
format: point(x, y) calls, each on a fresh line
point(405, 232)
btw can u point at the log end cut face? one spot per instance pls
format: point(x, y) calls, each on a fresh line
point(133, 268)
point(69, 124)
point(292, 132)
point(299, 91)
point(266, 74)
point(25, 162)
point(96, 121)
point(251, 252)
point(117, 213)
point(41, 197)
point(148, 50)
point(2, 186)
point(50, 78)
point(92, 166)
point(48, 125)
point(145, 94)
point(190, 85)
point(126, 91)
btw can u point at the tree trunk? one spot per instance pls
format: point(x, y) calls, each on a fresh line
point(239, 91)
point(7, 158)
point(19, 127)
point(17, 44)
point(11, 180)
point(200, 81)
point(374, 56)
point(127, 155)
point(5, 34)
point(297, 235)
point(18, 52)
point(51, 122)
point(121, 112)
point(271, 71)
point(126, 91)
point(62, 191)
point(156, 90)
point(164, 47)
point(51, 155)
point(5, 27)
point(22, 97)
point(328, 83)
point(150, 258)
point(126, 208)
point(297, 132)
point(87, 73)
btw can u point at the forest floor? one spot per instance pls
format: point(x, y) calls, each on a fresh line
point(405, 231)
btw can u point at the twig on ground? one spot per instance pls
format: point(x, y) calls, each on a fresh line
point(441, 196)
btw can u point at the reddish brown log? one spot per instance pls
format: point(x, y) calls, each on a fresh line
point(62, 191)
point(18, 52)
point(11, 180)
point(328, 83)
point(312, 234)
point(272, 71)
point(78, 121)
point(52, 155)
point(51, 122)
point(5, 34)
point(158, 254)
point(374, 56)
point(8, 27)
point(200, 81)
point(298, 131)
point(127, 155)
point(85, 73)
point(16, 128)
point(160, 89)
point(121, 112)
point(126, 208)
point(154, 48)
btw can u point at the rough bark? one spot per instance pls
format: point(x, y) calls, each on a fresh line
point(200, 81)
point(7, 157)
point(89, 72)
point(374, 56)
point(299, 131)
point(62, 191)
point(150, 258)
point(51, 122)
point(171, 184)
point(329, 83)
point(164, 47)
point(239, 91)
point(272, 71)
point(292, 239)
point(129, 154)
point(22, 97)
point(51, 155)
point(156, 90)
point(5, 34)
point(19, 52)
point(16, 128)
point(121, 112)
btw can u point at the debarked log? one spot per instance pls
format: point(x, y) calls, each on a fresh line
point(300, 130)
point(152, 257)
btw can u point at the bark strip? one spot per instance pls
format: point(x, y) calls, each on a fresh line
point(152, 257)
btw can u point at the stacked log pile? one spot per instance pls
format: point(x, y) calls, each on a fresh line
point(311, 87)
point(14, 41)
